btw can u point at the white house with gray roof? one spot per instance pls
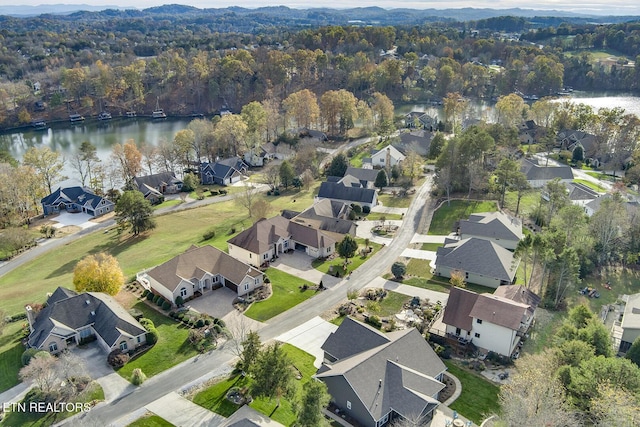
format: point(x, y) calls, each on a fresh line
point(483, 262)
point(376, 378)
point(200, 270)
point(497, 227)
point(70, 318)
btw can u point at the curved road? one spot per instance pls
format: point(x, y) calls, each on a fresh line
point(192, 369)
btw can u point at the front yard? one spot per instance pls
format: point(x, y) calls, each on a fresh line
point(336, 264)
point(214, 397)
point(445, 217)
point(11, 350)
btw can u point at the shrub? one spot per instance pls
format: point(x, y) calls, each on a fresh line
point(180, 316)
point(221, 323)
point(179, 301)
point(217, 328)
point(207, 322)
point(373, 320)
point(146, 323)
point(137, 376)
point(267, 280)
point(209, 234)
point(356, 208)
point(30, 353)
point(166, 305)
point(117, 359)
point(150, 296)
point(156, 298)
point(145, 293)
point(152, 335)
point(160, 302)
point(214, 192)
point(172, 314)
point(200, 323)
point(366, 210)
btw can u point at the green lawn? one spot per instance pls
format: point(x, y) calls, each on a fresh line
point(419, 267)
point(591, 185)
point(392, 201)
point(214, 397)
point(601, 176)
point(542, 333)
point(622, 280)
point(11, 350)
point(377, 216)
point(167, 204)
point(150, 420)
point(445, 217)
point(286, 294)
point(479, 397)
point(431, 246)
point(172, 346)
point(40, 419)
point(528, 203)
point(392, 303)
point(337, 262)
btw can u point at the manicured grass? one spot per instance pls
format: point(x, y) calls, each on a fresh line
point(431, 246)
point(542, 333)
point(419, 267)
point(150, 420)
point(445, 217)
point(394, 201)
point(286, 294)
point(167, 204)
point(11, 350)
point(601, 176)
point(377, 216)
point(338, 320)
point(392, 303)
point(354, 262)
point(591, 185)
point(433, 285)
point(479, 397)
point(93, 392)
point(172, 346)
point(214, 397)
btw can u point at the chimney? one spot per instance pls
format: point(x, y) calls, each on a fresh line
point(387, 161)
point(30, 317)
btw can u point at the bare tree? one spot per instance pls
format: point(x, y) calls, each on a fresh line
point(42, 371)
point(271, 176)
point(247, 198)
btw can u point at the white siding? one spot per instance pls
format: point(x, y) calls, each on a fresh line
point(249, 257)
point(478, 279)
point(494, 337)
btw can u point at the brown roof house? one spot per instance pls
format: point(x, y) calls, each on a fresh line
point(70, 318)
point(497, 227)
point(483, 262)
point(494, 322)
point(376, 378)
point(268, 238)
point(200, 270)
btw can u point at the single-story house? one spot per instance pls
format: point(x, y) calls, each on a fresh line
point(594, 205)
point(76, 199)
point(498, 227)
point(223, 172)
point(580, 194)
point(268, 151)
point(483, 262)
point(200, 269)
point(376, 378)
point(387, 156)
point(630, 324)
point(268, 238)
point(328, 216)
point(491, 322)
point(367, 177)
point(349, 190)
point(538, 176)
point(70, 318)
point(155, 186)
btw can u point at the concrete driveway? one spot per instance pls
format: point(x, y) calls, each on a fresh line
point(309, 337)
point(217, 303)
point(412, 291)
point(79, 219)
point(298, 263)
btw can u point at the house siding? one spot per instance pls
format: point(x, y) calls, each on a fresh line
point(494, 337)
point(341, 392)
point(478, 279)
point(249, 257)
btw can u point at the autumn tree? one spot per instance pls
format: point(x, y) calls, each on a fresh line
point(458, 279)
point(383, 113)
point(302, 107)
point(84, 162)
point(314, 400)
point(454, 106)
point(510, 110)
point(42, 371)
point(255, 117)
point(47, 164)
point(98, 273)
point(338, 108)
point(247, 198)
point(129, 159)
point(134, 211)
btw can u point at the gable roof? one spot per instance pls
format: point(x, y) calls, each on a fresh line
point(262, 234)
point(631, 317)
point(195, 262)
point(78, 195)
point(477, 256)
point(578, 191)
point(520, 294)
point(246, 416)
point(155, 181)
point(368, 175)
point(393, 152)
point(499, 311)
point(396, 371)
point(326, 215)
point(335, 190)
point(496, 225)
point(68, 311)
point(536, 172)
point(225, 168)
point(353, 337)
point(416, 141)
point(459, 305)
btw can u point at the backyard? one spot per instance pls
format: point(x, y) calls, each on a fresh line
point(479, 398)
point(214, 397)
point(446, 216)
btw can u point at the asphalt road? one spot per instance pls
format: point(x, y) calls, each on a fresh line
point(195, 368)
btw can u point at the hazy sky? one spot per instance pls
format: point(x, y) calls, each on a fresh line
point(600, 7)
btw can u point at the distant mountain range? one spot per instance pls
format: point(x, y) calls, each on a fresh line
point(317, 16)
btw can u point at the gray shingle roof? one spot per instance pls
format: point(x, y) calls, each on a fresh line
point(195, 262)
point(155, 181)
point(351, 338)
point(417, 141)
point(496, 225)
point(262, 234)
point(336, 191)
point(478, 256)
point(519, 293)
point(368, 175)
point(79, 195)
point(578, 191)
point(399, 372)
point(535, 172)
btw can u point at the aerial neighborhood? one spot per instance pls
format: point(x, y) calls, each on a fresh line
point(284, 217)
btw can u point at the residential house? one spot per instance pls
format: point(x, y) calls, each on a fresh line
point(569, 139)
point(200, 269)
point(329, 216)
point(497, 227)
point(483, 262)
point(76, 199)
point(420, 119)
point(223, 172)
point(267, 152)
point(367, 177)
point(594, 205)
point(348, 189)
point(155, 186)
point(491, 322)
point(630, 324)
point(268, 238)
point(417, 141)
point(376, 378)
point(69, 318)
point(387, 156)
point(580, 194)
point(538, 176)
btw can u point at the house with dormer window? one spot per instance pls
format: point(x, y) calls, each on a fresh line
point(75, 200)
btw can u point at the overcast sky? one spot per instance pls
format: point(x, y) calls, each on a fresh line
point(600, 7)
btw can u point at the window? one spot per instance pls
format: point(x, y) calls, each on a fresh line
point(466, 275)
point(246, 286)
point(458, 330)
point(123, 346)
point(256, 281)
point(53, 347)
point(381, 160)
point(286, 245)
point(250, 255)
point(139, 339)
point(477, 335)
point(479, 321)
point(348, 404)
point(329, 250)
point(183, 292)
point(382, 421)
point(265, 256)
point(85, 333)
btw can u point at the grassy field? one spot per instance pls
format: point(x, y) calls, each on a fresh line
point(591, 185)
point(377, 216)
point(172, 346)
point(445, 217)
point(622, 280)
point(286, 294)
point(528, 203)
point(11, 350)
point(419, 267)
point(479, 397)
point(214, 397)
point(150, 420)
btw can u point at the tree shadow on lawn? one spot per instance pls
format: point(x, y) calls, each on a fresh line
point(219, 401)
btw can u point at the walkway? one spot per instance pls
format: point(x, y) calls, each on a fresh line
point(424, 238)
point(299, 264)
point(419, 254)
point(411, 291)
point(365, 231)
point(182, 412)
point(309, 337)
